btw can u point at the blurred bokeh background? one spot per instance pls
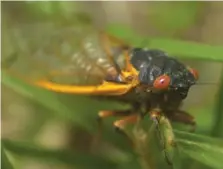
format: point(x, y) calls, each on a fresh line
point(29, 123)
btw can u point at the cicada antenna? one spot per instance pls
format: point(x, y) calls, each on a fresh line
point(207, 83)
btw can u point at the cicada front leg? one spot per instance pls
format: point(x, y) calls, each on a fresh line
point(155, 115)
point(164, 132)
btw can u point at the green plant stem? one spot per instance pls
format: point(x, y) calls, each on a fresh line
point(217, 129)
point(141, 140)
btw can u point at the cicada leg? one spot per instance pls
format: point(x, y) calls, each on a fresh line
point(155, 115)
point(106, 113)
point(119, 124)
point(183, 117)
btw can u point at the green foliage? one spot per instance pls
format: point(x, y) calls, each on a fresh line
point(5, 163)
point(219, 113)
point(63, 107)
point(173, 17)
point(174, 47)
point(206, 150)
point(70, 158)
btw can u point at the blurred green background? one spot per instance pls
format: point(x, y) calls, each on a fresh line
point(41, 129)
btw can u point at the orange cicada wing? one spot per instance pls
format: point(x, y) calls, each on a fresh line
point(103, 89)
point(71, 60)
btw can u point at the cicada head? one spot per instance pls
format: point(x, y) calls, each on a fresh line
point(161, 73)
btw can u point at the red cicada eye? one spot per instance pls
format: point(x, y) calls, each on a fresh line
point(194, 72)
point(162, 82)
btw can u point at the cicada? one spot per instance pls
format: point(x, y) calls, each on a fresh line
point(104, 67)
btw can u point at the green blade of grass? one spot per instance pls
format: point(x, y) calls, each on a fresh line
point(207, 150)
point(171, 17)
point(218, 123)
point(50, 100)
point(70, 158)
point(5, 163)
point(82, 110)
point(177, 48)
